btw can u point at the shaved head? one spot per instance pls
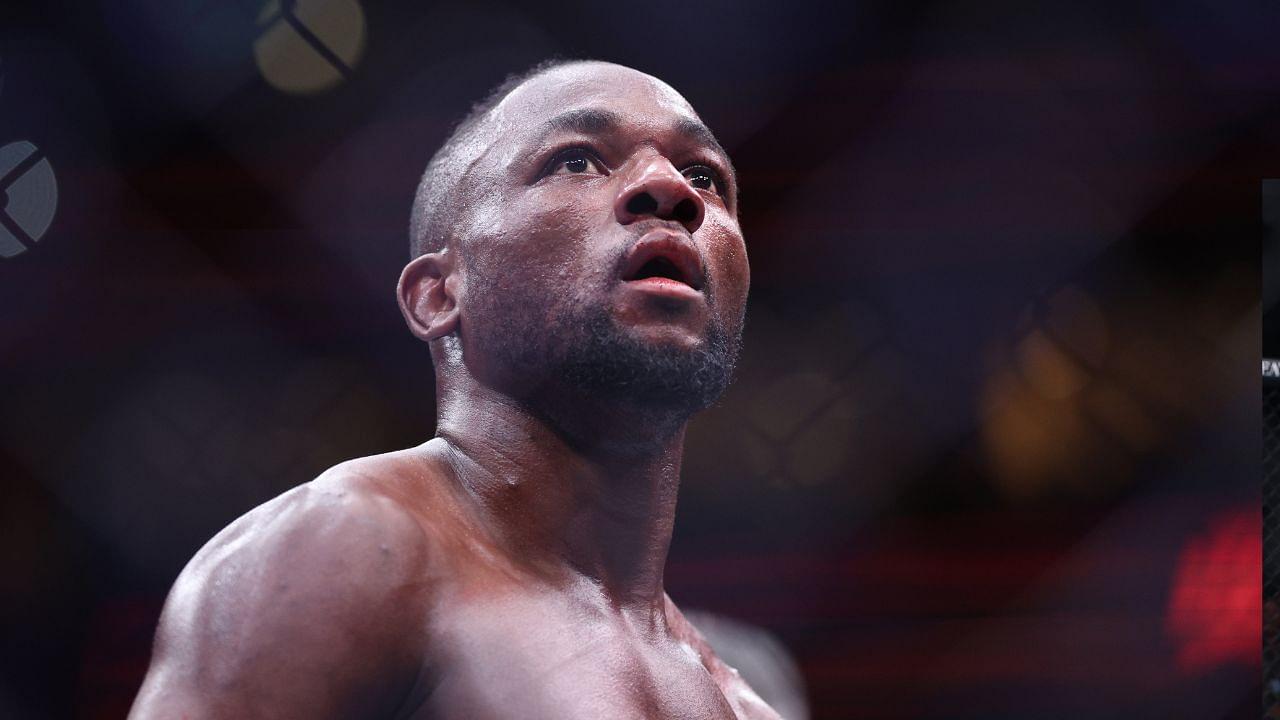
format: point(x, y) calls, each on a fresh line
point(434, 202)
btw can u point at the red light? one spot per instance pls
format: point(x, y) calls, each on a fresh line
point(1215, 605)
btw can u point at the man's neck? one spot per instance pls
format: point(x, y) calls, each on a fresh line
point(597, 499)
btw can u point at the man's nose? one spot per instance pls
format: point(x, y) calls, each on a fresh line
point(657, 189)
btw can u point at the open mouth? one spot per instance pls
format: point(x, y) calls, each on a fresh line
point(660, 267)
point(665, 256)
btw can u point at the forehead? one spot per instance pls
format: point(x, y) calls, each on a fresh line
point(641, 99)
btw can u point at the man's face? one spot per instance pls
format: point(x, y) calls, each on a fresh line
point(600, 244)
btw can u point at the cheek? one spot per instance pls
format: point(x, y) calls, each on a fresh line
point(734, 272)
point(542, 244)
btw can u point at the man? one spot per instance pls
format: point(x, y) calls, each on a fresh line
point(580, 278)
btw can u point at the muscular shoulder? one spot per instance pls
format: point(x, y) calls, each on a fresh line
point(747, 705)
point(313, 603)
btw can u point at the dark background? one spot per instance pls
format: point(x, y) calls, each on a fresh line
point(993, 451)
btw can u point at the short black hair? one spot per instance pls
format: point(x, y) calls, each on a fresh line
point(434, 199)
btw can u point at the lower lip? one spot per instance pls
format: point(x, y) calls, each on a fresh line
point(665, 286)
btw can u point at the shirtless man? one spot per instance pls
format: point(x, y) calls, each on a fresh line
point(580, 278)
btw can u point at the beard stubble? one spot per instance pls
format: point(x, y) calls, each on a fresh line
point(579, 346)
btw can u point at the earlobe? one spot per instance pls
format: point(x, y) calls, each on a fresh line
point(427, 296)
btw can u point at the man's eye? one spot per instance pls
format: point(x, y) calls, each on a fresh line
point(575, 161)
point(703, 178)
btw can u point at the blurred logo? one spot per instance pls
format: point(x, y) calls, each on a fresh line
point(309, 46)
point(1271, 368)
point(30, 197)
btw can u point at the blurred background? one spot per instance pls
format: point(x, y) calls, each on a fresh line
point(993, 451)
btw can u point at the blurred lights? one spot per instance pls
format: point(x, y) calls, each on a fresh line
point(1053, 373)
point(309, 46)
point(1084, 392)
point(1076, 320)
point(1215, 604)
point(30, 197)
point(1038, 431)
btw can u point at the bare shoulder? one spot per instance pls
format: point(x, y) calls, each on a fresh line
point(746, 703)
point(313, 604)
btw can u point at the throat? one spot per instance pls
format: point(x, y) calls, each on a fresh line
point(596, 513)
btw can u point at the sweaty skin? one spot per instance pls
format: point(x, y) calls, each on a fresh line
point(512, 566)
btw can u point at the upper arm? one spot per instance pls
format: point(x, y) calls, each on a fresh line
point(311, 606)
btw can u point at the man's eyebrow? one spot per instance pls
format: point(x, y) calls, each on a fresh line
point(588, 121)
point(592, 121)
point(700, 134)
point(595, 121)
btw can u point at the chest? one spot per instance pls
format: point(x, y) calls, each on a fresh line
point(535, 656)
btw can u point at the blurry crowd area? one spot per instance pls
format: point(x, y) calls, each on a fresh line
point(993, 446)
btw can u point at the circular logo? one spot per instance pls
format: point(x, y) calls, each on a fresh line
point(30, 197)
point(309, 46)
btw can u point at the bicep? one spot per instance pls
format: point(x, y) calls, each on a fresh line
point(308, 610)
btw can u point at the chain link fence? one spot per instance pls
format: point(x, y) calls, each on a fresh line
point(1271, 544)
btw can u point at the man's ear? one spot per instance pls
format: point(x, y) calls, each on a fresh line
point(426, 297)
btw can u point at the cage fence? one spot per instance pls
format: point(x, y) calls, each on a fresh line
point(1271, 537)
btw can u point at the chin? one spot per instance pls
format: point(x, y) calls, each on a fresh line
point(670, 337)
point(658, 366)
